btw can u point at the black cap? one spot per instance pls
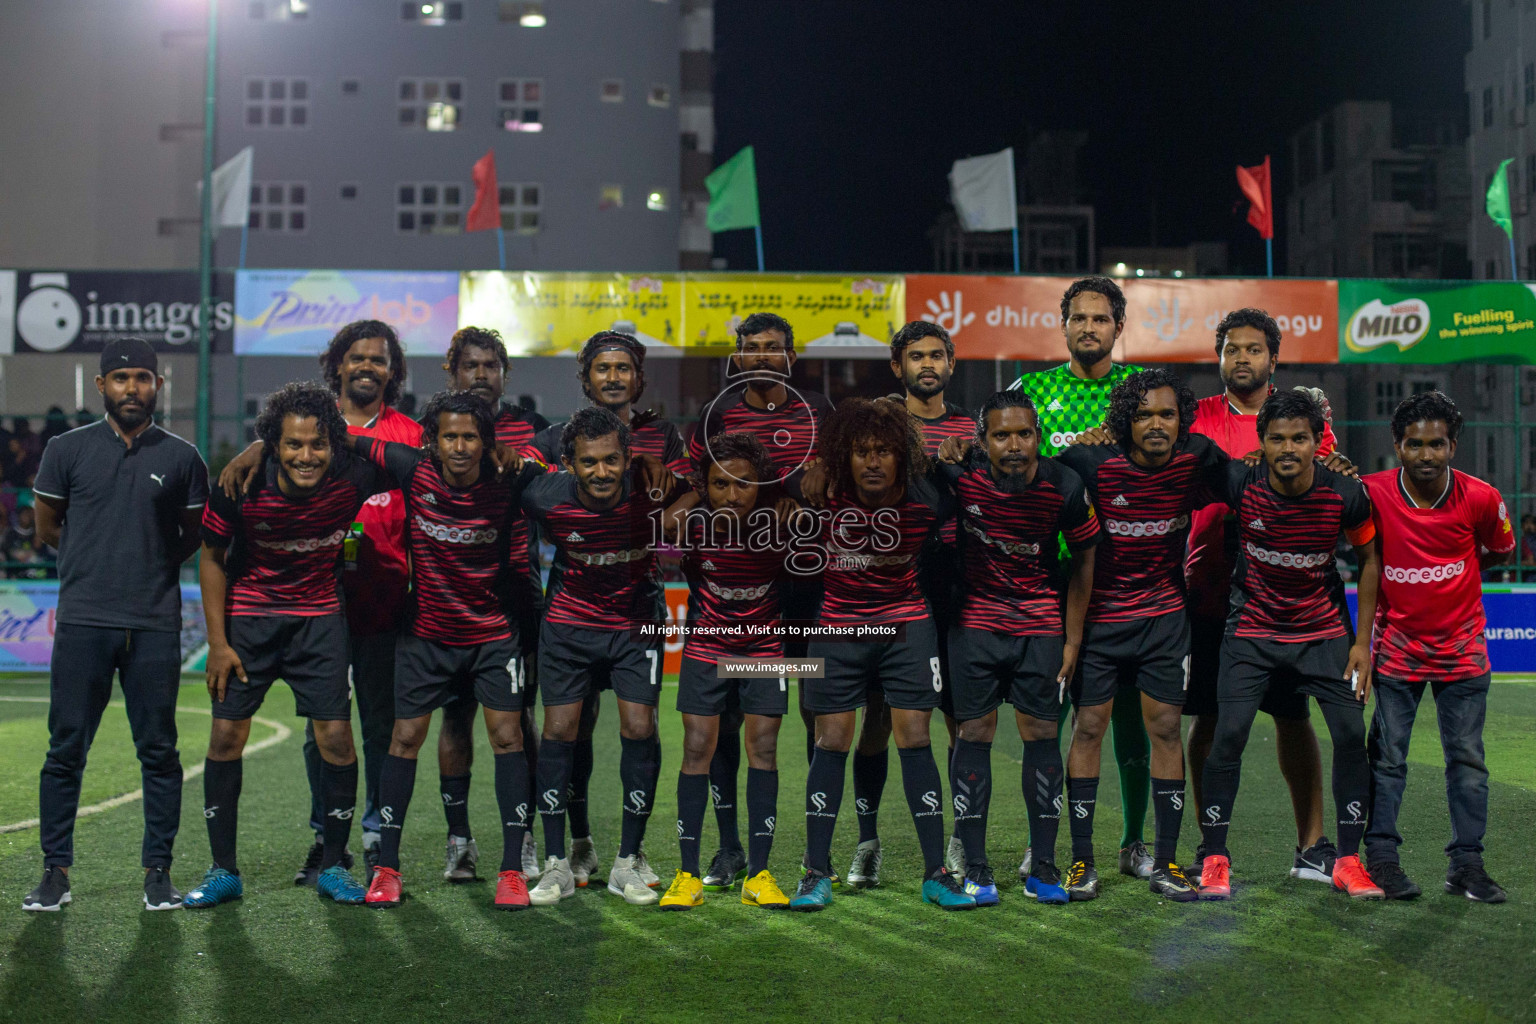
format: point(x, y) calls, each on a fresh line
point(126, 354)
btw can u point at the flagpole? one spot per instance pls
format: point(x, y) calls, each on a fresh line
point(205, 246)
point(1514, 269)
point(245, 230)
point(1269, 256)
point(501, 247)
point(758, 228)
point(1015, 246)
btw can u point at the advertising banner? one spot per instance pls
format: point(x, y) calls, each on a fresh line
point(554, 314)
point(297, 312)
point(1168, 320)
point(27, 612)
point(1436, 322)
point(677, 314)
point(81, 310)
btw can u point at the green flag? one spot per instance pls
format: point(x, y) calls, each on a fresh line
point(1498, 199)
point(733, 193)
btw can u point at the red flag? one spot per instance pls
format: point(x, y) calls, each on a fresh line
point(1254, 181)
point(485, 214)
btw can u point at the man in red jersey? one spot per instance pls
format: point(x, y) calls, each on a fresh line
point(1436, 529)
point(273, 606)
point(1248, 347)
point(364, 366)
point(477, 362)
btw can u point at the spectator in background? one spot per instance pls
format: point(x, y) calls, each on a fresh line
point(29, 557)
point(26, 452)
point(54, 424)
point(1528, 546)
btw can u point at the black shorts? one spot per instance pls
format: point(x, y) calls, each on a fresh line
point(1253, 669)
point(1205, 638)
point(800, 599)
point(429, 675)
point(575, 662)
point(906, 672)
point(988, 668)
point(1150, 654)
point(308, 652)
point(700, 691)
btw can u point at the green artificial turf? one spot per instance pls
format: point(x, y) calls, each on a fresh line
point(1281, 950)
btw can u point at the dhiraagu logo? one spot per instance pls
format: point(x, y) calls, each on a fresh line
point(1402, 323)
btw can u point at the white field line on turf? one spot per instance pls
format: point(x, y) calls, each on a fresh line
point(280, 732)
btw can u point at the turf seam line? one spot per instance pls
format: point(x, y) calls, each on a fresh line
point(280, 733)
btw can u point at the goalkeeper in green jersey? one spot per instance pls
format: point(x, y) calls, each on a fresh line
point(1070, 399)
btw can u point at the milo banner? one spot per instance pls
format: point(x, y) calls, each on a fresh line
point(677, 314)
point(1436, 322)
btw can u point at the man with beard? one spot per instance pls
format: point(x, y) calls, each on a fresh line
point(611, 369)
point(1248, 347)
point(923, 359)
point(122, 500)
point(364, 366)
point(602, 621)
point(760, 402)
point(477, 363)
point(1073, 398)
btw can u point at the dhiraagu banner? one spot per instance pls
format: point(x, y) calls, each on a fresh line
point(1436, 322)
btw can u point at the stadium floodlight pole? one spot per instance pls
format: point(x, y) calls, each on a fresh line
point(205, 244)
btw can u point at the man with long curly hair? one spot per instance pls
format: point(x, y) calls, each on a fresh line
point(875, 630)
point(1136, 635)
point(271, 597)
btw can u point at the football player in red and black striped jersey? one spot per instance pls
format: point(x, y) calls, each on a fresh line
point(272, 600)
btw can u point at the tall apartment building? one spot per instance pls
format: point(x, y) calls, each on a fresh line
point(1377, 192)
point(365, 117)
point(1500, 76)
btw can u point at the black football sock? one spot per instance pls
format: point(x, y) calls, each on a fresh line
point(531, 755)
point(810, 745)
point(652, 780)
point(692, 795)
point(1220, 791)
point(823, 799)
point(512, 801)
point(1082, 795)
point(338, 784)
point(1168, 818)
point(555, 758)
point(455, 791)
point(637, 776)
point(920, 778)
point(970, 787)
point(762, 812)
point(724, 768)
point(580, 774)
point(397, 781)
point(869, 772)
point(1351, 773)
point(221, 808)
point(1042, 796)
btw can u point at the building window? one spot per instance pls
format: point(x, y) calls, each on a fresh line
point(1326, 129)
point(1488, 107)
point(349, 190)
point(610, 197)
point(1487, 18)
point(280, 207)
point(1388, 394)
point(350, 87)
point(1405, 255)
point(436, 104)
point(276, 102)
point(520, 104)
point(278, 10)
point(1530, 84)
point(1490, 456)
point(426, 13)
point(521, 203)
point(657, 199)
point(526, 14)
point(1491, 270)
point(659, 96)
point(611, 90)
point(429, 208)
point(1404, 181)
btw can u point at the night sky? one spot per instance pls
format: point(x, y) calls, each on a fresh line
point(858, 107)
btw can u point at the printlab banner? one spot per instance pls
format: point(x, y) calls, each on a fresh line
point(27, 621)
point(678, 314)
point(1436, 322)
point(297, 312)
point(82, 310)
point(1168, 320)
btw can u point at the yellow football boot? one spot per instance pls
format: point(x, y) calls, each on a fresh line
point(762, 891)
point(685, 893)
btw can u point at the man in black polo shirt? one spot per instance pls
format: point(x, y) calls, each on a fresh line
point(122, 500)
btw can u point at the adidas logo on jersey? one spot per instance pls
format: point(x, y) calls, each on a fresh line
point(429, 498)
point(974, 510)
point(262, 526)
point(708, 565)
point(1257, 524)
point(574, 538)
point(1120, 501)
point(1055, 405)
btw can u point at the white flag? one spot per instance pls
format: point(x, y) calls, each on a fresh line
point(983, 193)
point(232, 190)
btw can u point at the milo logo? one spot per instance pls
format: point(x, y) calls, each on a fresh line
point(1403, 323)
